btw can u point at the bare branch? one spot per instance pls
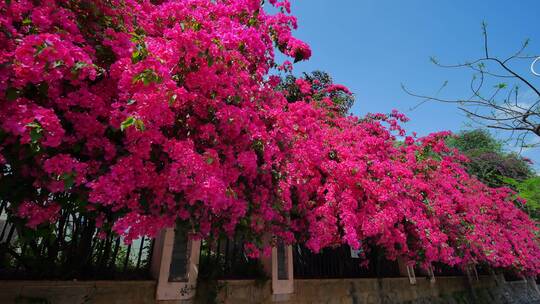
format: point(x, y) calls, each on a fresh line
point(518, 53)
point(503, 65)
point(498, 106)
point(485, 34)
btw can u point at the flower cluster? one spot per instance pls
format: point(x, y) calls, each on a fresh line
point(37, 214)
point(148, 113)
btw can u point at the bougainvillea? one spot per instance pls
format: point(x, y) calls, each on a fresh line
point(143, 114)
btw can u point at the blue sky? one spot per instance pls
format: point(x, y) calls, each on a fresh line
point(374, 46)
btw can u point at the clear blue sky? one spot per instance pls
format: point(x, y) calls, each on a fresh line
point(373, 46)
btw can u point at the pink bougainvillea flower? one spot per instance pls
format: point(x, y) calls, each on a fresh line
point(148, 113)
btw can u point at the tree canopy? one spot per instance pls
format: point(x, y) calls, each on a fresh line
point(487, 159)
point(317, 86)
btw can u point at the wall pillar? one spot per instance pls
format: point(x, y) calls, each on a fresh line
point(175, 265)
point(282, 272)
point(406, 270)
point(431, 275)
point(472, 273)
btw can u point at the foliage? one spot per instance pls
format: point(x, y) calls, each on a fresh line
point(140, 114)
point(317, 87)
point(490, 164)
point(487, 160)
point(474, 142)
point(529, 190)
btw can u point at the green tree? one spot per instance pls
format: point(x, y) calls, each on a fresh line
point(488, 161)
point(319, 81)
point(491, 164)
point(474, 142)
point(529, 189)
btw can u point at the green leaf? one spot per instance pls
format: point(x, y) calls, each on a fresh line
point(210, 60)
point(242, 47)
point(196, 26)
point(258, 145)
point(139, 125)
point(131, 101)
point(252, 21)
point(146, 77)
point(58, 63)
point(35, 126)
point(332, 155)
point(79, 65)
point(12, 94)
point(69, 180)
point(172, 99)
point(36, 133)
point(40, 48)
point(130, 121)
point(140, 52)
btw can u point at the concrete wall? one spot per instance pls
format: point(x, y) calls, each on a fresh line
point(69, 292)
point(451, 290)
point(389, 290)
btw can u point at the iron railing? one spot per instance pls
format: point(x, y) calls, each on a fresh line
point(339, 263)
point(73, 248)
point(225, 259)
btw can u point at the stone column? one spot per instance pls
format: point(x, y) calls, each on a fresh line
point(431, 275)
point(282, 272)
point(428, 272)
point(406, 270)
point(472, 273)
point(175, 265)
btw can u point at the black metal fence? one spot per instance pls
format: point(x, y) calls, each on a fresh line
point(340, 263)
point(225, 259)
point(70, 249)
point(443, 270)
